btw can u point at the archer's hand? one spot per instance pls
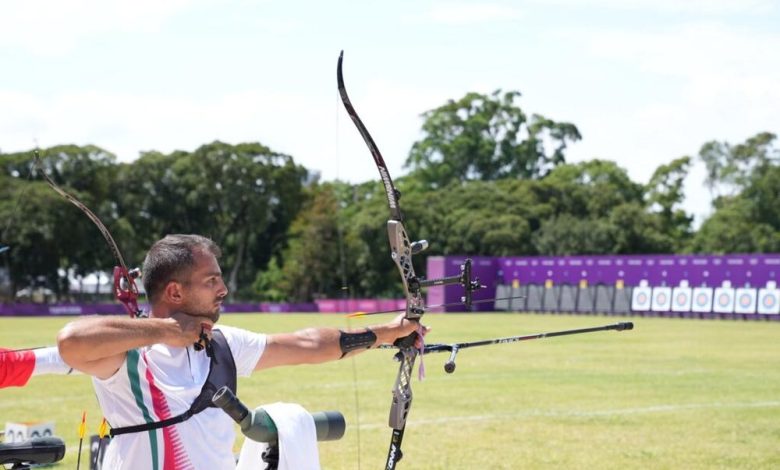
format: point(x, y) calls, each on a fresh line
point(400, 327)
point(186, 329)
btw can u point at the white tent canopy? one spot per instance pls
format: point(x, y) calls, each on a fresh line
point(99, 282)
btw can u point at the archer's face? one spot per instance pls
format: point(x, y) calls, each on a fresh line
point(205, 289)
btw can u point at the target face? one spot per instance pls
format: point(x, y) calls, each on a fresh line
point(682, 299)
point(702, 300)
point(769, 301)
point(662, 297)
point(724, 300)
point(746, 300)
point(640, 299)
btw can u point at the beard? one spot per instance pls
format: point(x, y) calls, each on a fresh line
point(198, 310)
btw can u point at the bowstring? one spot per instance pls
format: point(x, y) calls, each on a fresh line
point(344, 283)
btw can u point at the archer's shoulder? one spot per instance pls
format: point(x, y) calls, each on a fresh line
point(233, 333)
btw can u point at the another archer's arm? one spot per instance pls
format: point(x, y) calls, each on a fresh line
point(97, 346)
point(316, 345)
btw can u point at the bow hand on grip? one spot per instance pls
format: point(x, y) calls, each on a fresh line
point(406, 341)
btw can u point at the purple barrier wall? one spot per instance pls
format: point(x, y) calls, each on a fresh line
point(359, 305)
point(322, 305)
point(62, 309)
point(658, 270)
point(117, 309)
point(269, 307)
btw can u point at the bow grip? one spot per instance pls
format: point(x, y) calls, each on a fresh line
point(406, 341)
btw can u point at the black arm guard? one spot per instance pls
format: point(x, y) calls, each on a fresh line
point(352, 341)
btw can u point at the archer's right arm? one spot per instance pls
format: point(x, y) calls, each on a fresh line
point(97, 345)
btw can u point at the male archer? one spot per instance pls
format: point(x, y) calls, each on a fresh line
point(155, 387)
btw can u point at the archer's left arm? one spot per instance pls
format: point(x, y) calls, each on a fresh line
point(316, 345)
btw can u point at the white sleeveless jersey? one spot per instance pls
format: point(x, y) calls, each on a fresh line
point(159, 382)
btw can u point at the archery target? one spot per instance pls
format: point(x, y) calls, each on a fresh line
point(662, 299)
point(503, 294)
point(640, 299)
point(724, 300)
point(681, 299)
point(769, 301)
point(702, 300)
point(745, 300)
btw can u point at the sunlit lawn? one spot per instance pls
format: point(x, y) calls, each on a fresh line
point(671, 394)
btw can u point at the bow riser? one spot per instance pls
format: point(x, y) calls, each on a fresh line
point(402, 390)
point(402, 402)
point(401, 253)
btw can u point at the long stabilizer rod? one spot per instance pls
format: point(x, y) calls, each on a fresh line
point(453, 349)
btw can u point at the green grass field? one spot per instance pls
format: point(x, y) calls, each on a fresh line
point(671, 394)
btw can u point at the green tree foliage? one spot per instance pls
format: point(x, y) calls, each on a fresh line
point(665, 195)
point(314, 259)
point(748, 219)
point(487, 137)
point(243, 196)
point(31, 234)
point(45, 232)
point(732, 166)
point(595, 208)
point(484, 182)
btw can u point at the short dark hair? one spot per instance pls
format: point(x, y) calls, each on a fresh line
point(169, 258)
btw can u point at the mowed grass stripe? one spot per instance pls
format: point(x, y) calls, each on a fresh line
point(669, 394)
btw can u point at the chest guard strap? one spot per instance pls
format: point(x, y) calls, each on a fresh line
point(222, 371)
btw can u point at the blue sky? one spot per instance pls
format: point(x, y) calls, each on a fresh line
point(646, 81)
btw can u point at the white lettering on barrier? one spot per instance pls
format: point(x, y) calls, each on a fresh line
point(65, 310)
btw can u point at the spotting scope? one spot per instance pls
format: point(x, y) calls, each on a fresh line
point(258, 425)
point(38, 450)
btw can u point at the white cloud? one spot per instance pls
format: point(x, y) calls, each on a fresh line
point(129, 123)
point(699, 7)
point(729, 76)
point(721, 83)
point(469, 13)
point(54, 27)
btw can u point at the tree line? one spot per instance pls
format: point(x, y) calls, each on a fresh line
point(484, 179)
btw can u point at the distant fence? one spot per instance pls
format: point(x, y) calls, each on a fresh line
point(678, 302)
point(688, 286)
point(117, 309)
